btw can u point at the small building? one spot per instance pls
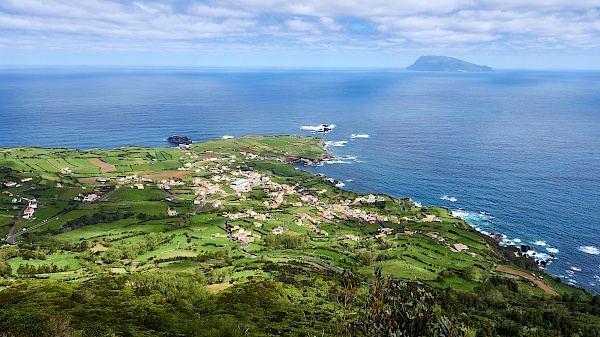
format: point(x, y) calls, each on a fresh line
point(91, 198)
point(239, 184)
point(458, 247)
point(24, 180)
point(27, 213)
point(171, 212)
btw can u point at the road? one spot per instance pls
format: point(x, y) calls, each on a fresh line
point(530, 277)
point(14, 231)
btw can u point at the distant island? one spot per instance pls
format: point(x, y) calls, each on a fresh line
point(445, 63)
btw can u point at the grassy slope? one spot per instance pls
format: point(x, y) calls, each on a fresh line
point(154, 241)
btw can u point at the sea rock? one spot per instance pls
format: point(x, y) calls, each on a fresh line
point(526, 248)
point(180, 140)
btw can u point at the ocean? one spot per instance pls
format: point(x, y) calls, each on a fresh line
point(512, 152)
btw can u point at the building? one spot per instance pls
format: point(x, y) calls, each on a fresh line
point(239, 184)
point(91, 198)
point(458, 247)
point(27, 213)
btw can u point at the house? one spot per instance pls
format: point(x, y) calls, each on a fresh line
point(27, 213)
point(430, 218)
point(91, 198)
point(10, 184)
point(386, 231)
point(171, 212)
point(139, 186)
point(239, 184)
point(277, 230)
point(458, 247)
point(24, 180)
point(217, 203)
point(15, 200)
point(59, 185)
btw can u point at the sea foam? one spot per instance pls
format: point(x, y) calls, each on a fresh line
point(590, 250)
point(339, 143)
point(317, 128)
point(451, 199)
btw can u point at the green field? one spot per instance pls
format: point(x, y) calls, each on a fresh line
point(156, 244)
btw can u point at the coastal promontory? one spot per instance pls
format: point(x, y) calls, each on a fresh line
point(445, 63)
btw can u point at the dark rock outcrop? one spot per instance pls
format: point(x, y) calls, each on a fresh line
point(180, 140)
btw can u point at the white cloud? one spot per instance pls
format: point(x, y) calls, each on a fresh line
point(330, 24)
point(300, 25)
point(341, 24)
point(208, 11)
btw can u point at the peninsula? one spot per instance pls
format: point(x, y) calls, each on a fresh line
point(445, 63)
point(227, 238)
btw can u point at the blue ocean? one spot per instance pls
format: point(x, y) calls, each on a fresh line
point(512, 152)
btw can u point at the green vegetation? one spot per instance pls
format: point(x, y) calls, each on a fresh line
point(160, 242)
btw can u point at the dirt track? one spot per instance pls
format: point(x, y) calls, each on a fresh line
point(104, 167)
point(530, 277)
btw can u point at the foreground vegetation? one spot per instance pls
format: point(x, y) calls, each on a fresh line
point(225, 238)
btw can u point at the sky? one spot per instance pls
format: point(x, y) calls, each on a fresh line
point(503, 34)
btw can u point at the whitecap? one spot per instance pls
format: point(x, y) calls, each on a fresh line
point(451, 199)
point(339, 143)
point(359, 135)
point(540, 243)
point(517, 240)
point(552, 250)
point(590, 250)
point(227, 137)
point(575, 269)
point(318, 128)
point(539, 255)
point(460, 214)
point(418, 204)
point(349, 180)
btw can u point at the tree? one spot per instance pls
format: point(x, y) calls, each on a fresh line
point(394, 308)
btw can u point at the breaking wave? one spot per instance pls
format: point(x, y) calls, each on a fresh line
point(590, 250)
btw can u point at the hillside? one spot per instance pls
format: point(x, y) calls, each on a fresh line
point(445, 63)
point(226, 238)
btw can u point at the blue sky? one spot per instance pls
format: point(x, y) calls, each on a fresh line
point(518, 34)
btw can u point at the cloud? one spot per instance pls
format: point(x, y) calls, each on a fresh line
point(300, 25)
point(342, 24)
